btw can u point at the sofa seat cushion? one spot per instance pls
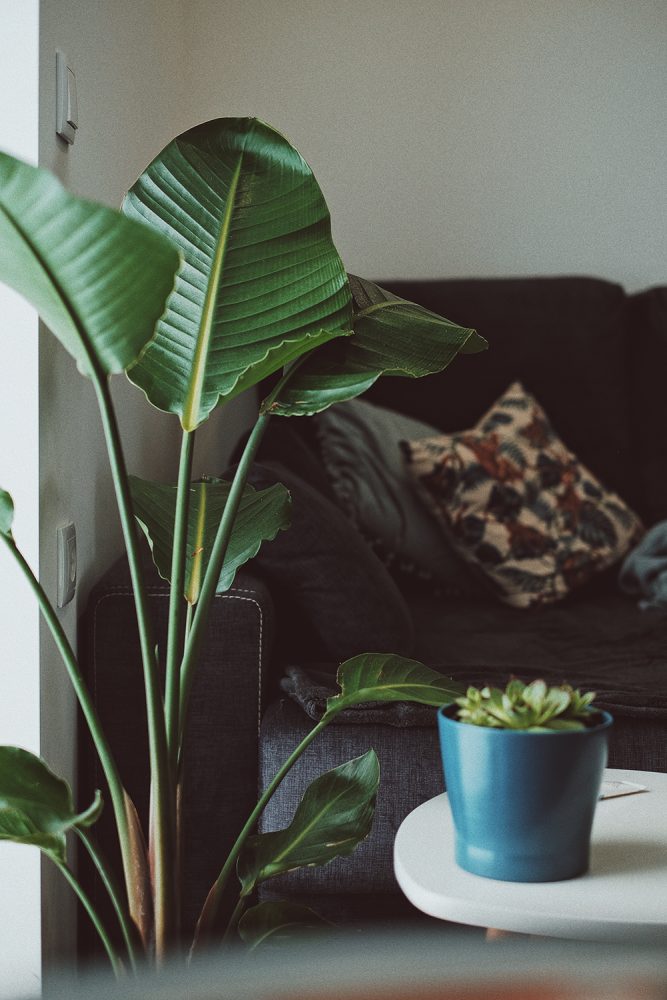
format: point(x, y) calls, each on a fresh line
point(601, 641)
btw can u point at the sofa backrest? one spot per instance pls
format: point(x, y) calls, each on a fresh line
point(647, 336)
point(565, 338)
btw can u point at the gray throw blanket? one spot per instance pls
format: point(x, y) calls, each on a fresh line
point(644, 572)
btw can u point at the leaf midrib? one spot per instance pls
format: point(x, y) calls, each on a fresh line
point(366, 694)
point(309, 826)
point(205, 331)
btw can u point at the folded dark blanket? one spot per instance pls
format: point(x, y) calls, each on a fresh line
point(636, 692)
point(311, 687)
point(644, 572)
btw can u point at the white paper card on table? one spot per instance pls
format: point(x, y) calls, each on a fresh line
point(610, 789)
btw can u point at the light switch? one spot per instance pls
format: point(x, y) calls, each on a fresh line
point(67, 108)
point(66, 564)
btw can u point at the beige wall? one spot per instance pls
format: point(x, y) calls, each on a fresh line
point(461, 137)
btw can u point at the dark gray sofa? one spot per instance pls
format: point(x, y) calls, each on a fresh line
point(596, 359)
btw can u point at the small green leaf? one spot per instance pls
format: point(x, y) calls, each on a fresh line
point(278, 923)
point(556, 701)
point(533, 693)
point(6, 514)
point(36, 807)
point(261, 515)
point(98, 280)
point(390, 337)
point(334, 815)
point(387, 677)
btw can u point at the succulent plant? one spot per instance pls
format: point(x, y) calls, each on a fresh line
point(533, 707)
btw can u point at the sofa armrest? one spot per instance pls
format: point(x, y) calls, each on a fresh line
point(221, 743)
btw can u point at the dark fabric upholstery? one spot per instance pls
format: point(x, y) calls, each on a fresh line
point(563, 338)
point(647, 321)
point(333, 596)
point(221, 743)
point(603, 642)
point(293, 444)
point(410, 774)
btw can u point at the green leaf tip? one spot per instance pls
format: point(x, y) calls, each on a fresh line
point(6, 513)
point(391, 337)
point(274, 924)
point(386, 677)
point(334, 815)
point(102, 290)
point(36, 806)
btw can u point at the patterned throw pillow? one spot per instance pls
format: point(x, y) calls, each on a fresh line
point(519, 505)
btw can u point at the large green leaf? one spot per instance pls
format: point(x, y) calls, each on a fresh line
point(278, 923)
point(334, 815)
point(98, 280)
point(36, 807)
point(261, 515)
point(387, 677)
point(262, 281)
point(390, 337)
point(6, 513)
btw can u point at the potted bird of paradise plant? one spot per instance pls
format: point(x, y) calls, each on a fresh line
point(219, 271)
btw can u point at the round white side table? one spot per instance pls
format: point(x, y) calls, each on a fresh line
point(622, 898)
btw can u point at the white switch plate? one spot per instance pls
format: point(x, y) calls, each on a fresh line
point(67, 108)
point(66, 564)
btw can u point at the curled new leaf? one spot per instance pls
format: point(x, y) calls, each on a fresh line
point(334, 815)
point(262, 281)
point(387, 677)
point(261, 515)
point(36, 807)
point(390, 337)
point(98, 280)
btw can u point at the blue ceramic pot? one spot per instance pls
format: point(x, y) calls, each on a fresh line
point(522, 803)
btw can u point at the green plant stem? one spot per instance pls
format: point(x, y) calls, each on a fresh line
point(112, 890)
point(176, 598)
point(209, 912)
point(116, 963)
point(162, 845)
point(195, 633)
point(98, 736)
point(212, 575)
point(235, 917)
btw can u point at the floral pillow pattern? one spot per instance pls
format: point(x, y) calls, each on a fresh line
point(519, 505)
